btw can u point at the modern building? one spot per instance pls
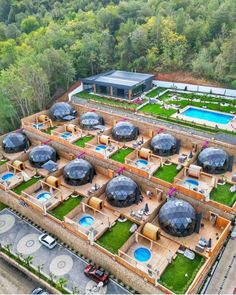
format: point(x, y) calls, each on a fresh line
point(122, 84)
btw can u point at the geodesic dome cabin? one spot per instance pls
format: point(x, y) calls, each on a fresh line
point(62, 111)
point(90, 119)
point(78, 172)
point(41, 154)
point(213, 160)
point(177, 218)
point(164, 144)
point(124, 131)
point(15, 142)
point(122, 191)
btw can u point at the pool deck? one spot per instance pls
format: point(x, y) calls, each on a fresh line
point(231, 126)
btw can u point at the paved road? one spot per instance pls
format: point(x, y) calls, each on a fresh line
point(224, 277)
point(12, 281)
point(59, 261)
point(223, 137)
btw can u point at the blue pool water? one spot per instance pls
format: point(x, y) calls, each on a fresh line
point(66, 135)
point(42, 197)
point(100, 148)
point(7, 176)
point(86, 221)
point(210, 116)
point(38, 125)
point(142, 254)
point(141, 163)
point(192, 181)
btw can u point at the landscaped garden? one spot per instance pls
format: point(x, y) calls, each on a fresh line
point(66, 207)
point(83, 140)
point(107, 100)
point(167, 172)
point(223, 195)
point(120, 155)
point(180, 273)
point(24, 185)
point(114, 239)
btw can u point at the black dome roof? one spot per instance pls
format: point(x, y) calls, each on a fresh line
point(213, 160)
point(15, 142)
point(90, 120)
point(177, 218)
point(122, 191)
point(78, 172)
point(41, 154)
point(124, 131)
point(62, 111)
point(164, 144)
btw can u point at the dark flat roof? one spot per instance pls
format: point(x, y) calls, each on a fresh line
point(118, 78)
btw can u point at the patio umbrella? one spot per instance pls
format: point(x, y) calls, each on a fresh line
point(146, 208)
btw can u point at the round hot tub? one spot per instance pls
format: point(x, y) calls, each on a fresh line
point(7, 176)
point(86, 221)
point(44, 196)
point(142, 254)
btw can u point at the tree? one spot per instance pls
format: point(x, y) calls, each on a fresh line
point(29, 24)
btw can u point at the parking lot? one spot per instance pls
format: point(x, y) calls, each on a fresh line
point(59, 261)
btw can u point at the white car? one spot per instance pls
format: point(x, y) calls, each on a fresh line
point(47, 241)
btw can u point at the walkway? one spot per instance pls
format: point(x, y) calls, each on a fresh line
point(224, 277)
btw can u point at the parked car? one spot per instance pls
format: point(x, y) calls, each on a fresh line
point(39, 291)
point(96, 275)
point(47, 241)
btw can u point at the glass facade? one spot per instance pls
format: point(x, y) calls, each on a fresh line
point(41, 154)
point(177, 218)
point(213, 160)
point(15, 142)
point(62, 111)
point(78, 172)
point(124, 131)
point(164, 144)
point(122, 191)
point(90, 119)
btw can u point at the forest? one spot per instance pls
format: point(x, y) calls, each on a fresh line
point(45, 45)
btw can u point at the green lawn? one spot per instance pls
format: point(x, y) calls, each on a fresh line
point(114, 239)
point(155, 92)
point(2, 206)
point(156, 109)
point(120, 155)
point(25, 185)
point(167, 173)
point(3, 162)
point(82, 141)
point(180, 273)
point(49, 130)
point(107, 100)
point(64, 208)
point(222, 194)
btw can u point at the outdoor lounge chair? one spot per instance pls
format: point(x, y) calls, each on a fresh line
point(189, 254)
point(233, 189)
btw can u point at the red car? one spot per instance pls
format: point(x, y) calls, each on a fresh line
point(96, 274)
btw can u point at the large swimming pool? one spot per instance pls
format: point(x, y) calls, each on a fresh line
point(206, 115)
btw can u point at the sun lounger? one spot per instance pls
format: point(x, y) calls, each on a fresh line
point(233, 189)
point(189, 254)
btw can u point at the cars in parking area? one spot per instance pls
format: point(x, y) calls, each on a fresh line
point(96, 275)
point(47, 241)
point(39, 290)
